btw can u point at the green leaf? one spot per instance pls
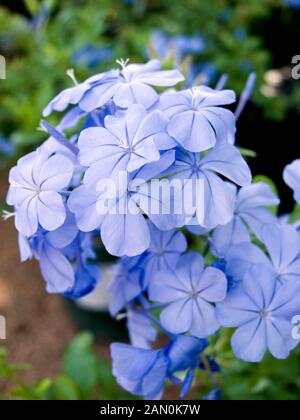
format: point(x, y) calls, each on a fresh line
point(295, 216)
point(80, 363)
point(32, 6)
point(248, 153)
point(43, 387)
point(65, 389)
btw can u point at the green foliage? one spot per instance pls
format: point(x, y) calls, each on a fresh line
point(85, 376)
point(270, 380)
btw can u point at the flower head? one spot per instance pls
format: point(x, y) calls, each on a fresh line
point(36, 184)
point(263, 313)
point(219, 197)
point(197, 122)
point(126, 143)
point(250, 214)
point(163, 253)
point(189, 293)
point(283, 246)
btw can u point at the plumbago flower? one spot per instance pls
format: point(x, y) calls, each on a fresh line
point(37, 185)
point(125, 144)
point(219, 197)
point(156, 176)
point(144, 372)
point(282, 242)
point(250, 212)
point(63, 257)
point(131, 85)
point(263, 314)
point(123, 227)
point(163, 253)
point(197, 122)
point(189, 292)
point(292, 178)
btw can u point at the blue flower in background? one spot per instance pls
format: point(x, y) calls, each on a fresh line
point(292, 3)
point(219, 198)
point(197, 122)
point(250, 212)
point(163, 254)
point(90, 56)
point(292, 178)
point(179, 45)
point(36, 184)
point(188, 293)
point(203, 72)
point(263, 313)
point(7, 148)
point(282, 242)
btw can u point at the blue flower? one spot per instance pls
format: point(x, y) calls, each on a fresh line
point(197, 122)
point(125, 144)
point(64, 256)
point(83, 258)
point(188, 294)
point(36, 184)
point(140, 329)
point(131, 85)
point(292, 178)
point(89, 56)
point(219, 198)
point(76, 94)
point(47, 248)
point(126, 285)
point(7, 148)
point(250, 212)
point(183, 355)
point(180, 45)
point(123, 227)
point(134, 86)
point(144, 372)
point(139, 371)
point(184, 351)
point(292, 3)
point(283, 246)
point(263, 313)
point(164, 252)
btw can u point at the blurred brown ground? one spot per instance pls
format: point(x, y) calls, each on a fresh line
point(38, 325)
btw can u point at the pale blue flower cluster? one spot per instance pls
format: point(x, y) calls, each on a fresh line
point(133, 136)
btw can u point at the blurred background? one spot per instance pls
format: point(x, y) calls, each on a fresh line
point(40, 41)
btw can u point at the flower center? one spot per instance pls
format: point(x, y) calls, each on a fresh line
point(264, 314)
